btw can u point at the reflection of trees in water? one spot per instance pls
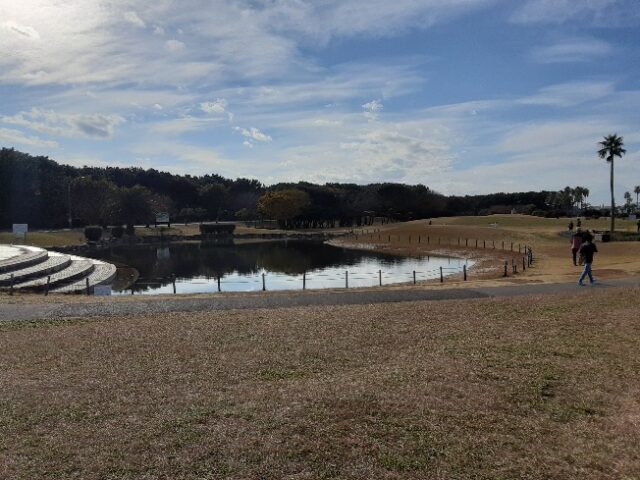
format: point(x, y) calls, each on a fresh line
point(212, 260)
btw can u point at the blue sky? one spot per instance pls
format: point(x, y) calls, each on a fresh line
point(464, 96)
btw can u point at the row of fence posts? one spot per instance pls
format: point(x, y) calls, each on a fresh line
point(346, 279)
point(459, 242)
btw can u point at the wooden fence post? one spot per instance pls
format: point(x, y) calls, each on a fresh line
point(464, 272)
point(46, 288)
point(304, 280)
point(264, 287)
point(414, 277)
point(441, 276)
point(380, 277)
point(346, 279)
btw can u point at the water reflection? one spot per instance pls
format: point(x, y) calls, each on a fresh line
point(197, 266)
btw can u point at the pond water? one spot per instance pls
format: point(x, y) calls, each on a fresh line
point(284, 265)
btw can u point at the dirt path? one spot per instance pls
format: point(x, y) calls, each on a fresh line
point(164, 304)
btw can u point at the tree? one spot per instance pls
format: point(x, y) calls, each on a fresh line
point(133, 205)
point(283, 205)
point(627, 202)
point(636, 190)
point(91, 200)
point(611, 148)
point(212, 197)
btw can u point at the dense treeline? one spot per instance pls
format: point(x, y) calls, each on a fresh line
point(43, 193)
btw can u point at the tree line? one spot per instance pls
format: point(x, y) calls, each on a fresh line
point(39, 191)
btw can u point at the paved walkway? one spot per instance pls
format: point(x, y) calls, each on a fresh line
point(164, 304)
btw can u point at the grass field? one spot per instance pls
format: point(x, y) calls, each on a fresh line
point(543, 387)
point(46, 239)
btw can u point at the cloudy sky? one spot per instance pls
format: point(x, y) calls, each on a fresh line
point(465, 96)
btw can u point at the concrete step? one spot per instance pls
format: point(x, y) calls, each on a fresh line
point(54, 263)
point(78, 268)
point(103, 273)
point(17, 257)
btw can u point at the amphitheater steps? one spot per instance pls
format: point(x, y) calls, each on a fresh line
point(22, 257)
point(78, 268)
point(54, 263)
point(26, 268)
point(103, 273)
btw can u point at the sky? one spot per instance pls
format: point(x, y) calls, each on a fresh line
point(464, 96)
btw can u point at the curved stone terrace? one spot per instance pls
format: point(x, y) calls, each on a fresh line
point(29, 268)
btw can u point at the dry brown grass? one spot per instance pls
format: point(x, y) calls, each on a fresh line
point(46, 239)
point(542, 387)
point(552, 250)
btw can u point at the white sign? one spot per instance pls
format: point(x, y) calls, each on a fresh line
point(20, 229)
point(102, 290)
point(632, 216)
point(162, 217)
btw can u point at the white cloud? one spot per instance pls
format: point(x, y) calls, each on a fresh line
point(571, 50)
point(158, 30)
point(253, 133)
point(217, 106)
point(174, 45)
point(21, 30)
point(134, 19)
point(11, 137)
point(65, 124)
point(177, 126)
point(372, 109)
point(570, 94)
point(599, 12)
point(325, 122)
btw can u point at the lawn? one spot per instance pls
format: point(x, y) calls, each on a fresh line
point(542, 387)
point(46, 239)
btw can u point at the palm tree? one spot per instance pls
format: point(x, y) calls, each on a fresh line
point(628, 201)
point(585, 195)
point(636, 190)
point(611, 148)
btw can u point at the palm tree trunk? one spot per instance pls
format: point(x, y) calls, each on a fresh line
point(613, 202)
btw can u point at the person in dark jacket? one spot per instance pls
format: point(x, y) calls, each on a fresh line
point(587, 250)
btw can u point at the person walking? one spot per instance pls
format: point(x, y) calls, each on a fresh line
point(576, 243)
point(587, 251)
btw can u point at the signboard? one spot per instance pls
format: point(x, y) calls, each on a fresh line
point(632, 216)
point(162, 217)
point(20, 230)
point(102, 290)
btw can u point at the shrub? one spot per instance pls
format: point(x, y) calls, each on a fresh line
point(93, 233)
point(117, 232)
point(555, 214)
point(217, 228)
point(538, 213)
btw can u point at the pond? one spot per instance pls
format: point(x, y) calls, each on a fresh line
point(281, 265)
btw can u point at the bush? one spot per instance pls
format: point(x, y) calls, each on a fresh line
point(130, 229)
point(93, 233)
point(555, 214)
point(117, 232)
point(217, 228)
point(592, 213)
point(538, 213)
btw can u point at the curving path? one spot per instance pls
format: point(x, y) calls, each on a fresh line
point(227, 301)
